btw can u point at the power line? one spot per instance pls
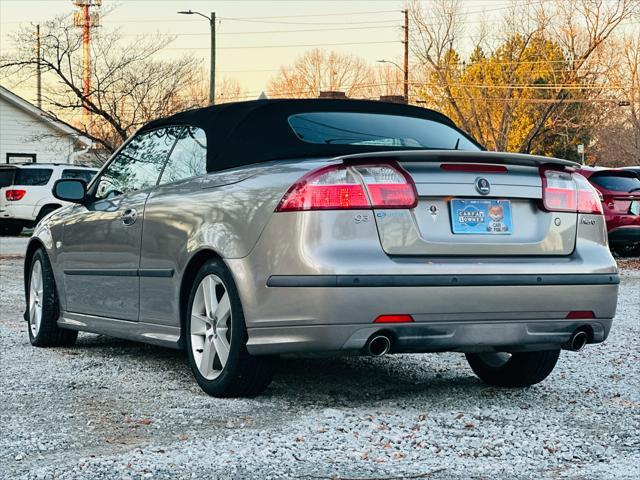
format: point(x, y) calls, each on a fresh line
point(269, 32)
point(285, 45)
point(320, 15)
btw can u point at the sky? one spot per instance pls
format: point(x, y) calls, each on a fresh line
point(254, 38)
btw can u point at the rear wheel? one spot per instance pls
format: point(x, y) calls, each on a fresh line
point(42, 301)
point(630, 250)
point(216, 337)
point(520, 369)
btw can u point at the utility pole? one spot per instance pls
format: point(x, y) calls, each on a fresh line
point(86, 20)
point(212, 71)
point(38, 70)
point(406, 55)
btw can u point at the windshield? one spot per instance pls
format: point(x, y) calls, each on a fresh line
point(617, 183)
point(346, 128)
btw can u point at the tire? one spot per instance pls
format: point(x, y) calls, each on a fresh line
point(44, 211)
point(10, 229)
point(630, 250)
point(43, 308)
point(213, 330)
point(515, 370)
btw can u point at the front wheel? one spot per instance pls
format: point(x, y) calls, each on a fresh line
point(520, 369)
point(43, 308)
point(216, 337)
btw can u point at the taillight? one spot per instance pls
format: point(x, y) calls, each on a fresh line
point(588, 197)
point(564, 191)
point(14, 195)
point(389, 186)
point(345, 186)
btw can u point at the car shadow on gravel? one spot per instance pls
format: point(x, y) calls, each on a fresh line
point(333, 381)
point(345, 380)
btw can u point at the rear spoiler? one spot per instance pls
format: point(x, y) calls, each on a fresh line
point(462, 156)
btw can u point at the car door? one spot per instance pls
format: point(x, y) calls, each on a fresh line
point(173, 212)
point(101, 239)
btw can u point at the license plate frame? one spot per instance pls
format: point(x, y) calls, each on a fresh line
point(481, 216)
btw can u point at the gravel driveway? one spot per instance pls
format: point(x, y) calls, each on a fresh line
point(108, 408)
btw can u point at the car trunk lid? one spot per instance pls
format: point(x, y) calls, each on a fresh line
point(458, 189)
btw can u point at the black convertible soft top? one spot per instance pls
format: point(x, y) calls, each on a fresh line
point(243, 133)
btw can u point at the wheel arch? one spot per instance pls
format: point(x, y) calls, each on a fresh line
point(53, 206)
point(191, 270)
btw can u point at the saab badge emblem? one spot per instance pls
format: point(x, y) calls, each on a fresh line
point(483, 186)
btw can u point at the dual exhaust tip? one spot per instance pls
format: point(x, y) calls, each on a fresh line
point(378, 345)
point(578, 340)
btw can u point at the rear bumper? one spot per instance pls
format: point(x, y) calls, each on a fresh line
point(22, 213)
point(316, 281)
point(460, 336)
point(624, 235)
point(333, 313)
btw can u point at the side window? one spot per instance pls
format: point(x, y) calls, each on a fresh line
point(188, 158)
point(138, 164)
point(85, 175)
point(32, 176)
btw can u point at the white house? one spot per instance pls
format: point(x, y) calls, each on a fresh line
point(29, 134)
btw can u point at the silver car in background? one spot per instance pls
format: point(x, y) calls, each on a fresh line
point(247, 230)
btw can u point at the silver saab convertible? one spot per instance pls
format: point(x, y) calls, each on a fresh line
point(247, 230)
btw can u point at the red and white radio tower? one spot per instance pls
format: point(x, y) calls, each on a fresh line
point(84, 18)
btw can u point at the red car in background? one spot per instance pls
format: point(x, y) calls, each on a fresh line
point(620, 189)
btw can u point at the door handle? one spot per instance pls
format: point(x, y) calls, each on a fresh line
point(129, 216)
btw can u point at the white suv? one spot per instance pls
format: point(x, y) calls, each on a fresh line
point(25, 192)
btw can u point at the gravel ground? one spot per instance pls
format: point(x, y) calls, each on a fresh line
point(108, 408)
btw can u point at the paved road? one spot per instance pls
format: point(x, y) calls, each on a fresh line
point(114, 409)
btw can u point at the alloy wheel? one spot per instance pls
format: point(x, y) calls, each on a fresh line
point(210, 327)
point(495, 359)
point(35, 298)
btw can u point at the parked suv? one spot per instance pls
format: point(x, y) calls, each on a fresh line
point(25, 192)
point(620, 190)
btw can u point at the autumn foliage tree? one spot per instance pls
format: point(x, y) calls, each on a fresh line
point(532, 90)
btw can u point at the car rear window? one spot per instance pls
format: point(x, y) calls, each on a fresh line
point(6, 176)
point(85, 175)
point(350, 128)
point(32, 176)
point(617, 183)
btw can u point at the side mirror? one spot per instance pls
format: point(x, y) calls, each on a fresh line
point(70, 190)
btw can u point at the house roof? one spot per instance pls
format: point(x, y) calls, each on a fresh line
point(45, 117)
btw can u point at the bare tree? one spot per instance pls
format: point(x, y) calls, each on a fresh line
point(130, 85)
point(617, 132)
point(318, 70)
point(535, 85)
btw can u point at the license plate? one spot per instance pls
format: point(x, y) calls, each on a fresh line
point(481, 217)
point(635, 208)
